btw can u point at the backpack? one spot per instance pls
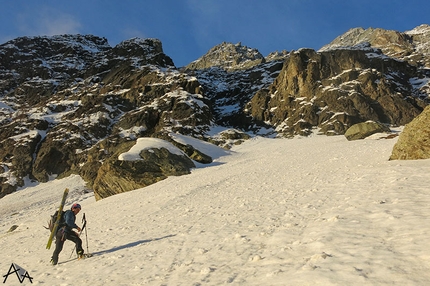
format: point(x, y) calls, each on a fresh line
point(53, 219)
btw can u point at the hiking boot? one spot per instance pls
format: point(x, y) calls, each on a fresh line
point(81, 255)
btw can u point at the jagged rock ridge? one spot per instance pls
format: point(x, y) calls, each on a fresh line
point(412, 46)
point(229, 57)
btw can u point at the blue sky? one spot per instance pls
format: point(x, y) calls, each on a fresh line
point(189, 28)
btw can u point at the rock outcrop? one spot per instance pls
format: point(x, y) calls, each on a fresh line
point(116, 176)
point(336, 89)
point(365, 129)
point(228, 56)
point(410, 46)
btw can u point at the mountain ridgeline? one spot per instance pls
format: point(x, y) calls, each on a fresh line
point(71, 104)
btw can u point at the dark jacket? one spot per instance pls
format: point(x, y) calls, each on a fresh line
point(69, 219)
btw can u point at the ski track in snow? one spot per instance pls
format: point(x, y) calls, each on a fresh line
point(309, 211)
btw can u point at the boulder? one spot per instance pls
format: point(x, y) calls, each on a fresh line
point(195, 154)
point(365, 129)
point(414, 141)
point(117, 176)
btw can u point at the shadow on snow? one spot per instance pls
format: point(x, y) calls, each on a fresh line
point(131, 244)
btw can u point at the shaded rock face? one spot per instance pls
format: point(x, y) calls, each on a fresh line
point(230, 75)
point(229, 92)
point(33, 68)
point(365, 129)
point(414, 140)
point(16, 153)
point(76, 101)
point(117, 176)
point(335, 89)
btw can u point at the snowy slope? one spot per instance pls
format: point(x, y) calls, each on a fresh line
point(304, 211)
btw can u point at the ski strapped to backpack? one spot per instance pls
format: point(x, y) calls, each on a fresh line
point(53, 219)
point(57, 220)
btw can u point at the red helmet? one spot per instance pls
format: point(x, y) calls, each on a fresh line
point(76, 206)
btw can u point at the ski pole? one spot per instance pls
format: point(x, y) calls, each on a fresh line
point(73, 250)
point(86, 238)
point(84, 221)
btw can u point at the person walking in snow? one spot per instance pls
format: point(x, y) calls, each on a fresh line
point(66, 232)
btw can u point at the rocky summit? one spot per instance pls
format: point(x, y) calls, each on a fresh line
point(72, 104)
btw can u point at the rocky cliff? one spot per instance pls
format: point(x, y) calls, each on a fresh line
point(335, 89)
point(72, 104)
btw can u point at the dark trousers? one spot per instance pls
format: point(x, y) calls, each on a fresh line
point(61, 237)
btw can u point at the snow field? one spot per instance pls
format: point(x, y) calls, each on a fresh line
point(304, 211)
